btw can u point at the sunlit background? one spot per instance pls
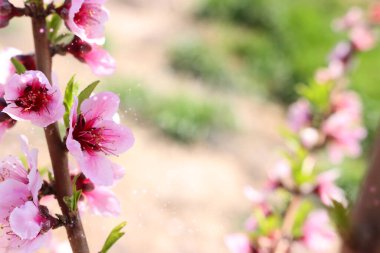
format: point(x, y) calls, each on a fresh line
point(204, 87)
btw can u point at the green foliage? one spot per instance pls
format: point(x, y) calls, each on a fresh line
point(113, 237)
point(183, 117)
point(282, 42)
point(68, 101)
point(340, 216)
point(198, 60)
point(188, 119)
point(72, 201)
point(317, 94)
point(53, 26)
point(303, 211)
point(86, 93)
point(20, 68)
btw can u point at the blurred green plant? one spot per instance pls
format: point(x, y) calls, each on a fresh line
point(195, 58)
point(281, 43)
point(184, 117)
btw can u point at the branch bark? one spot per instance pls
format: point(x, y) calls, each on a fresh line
point(364, 234)
point(57, 149)
point(284, 242)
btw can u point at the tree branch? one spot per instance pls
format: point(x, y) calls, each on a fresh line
point(364, 234)
point(57, 150)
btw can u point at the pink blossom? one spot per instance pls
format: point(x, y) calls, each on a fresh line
point(375, 13)
point(318, 235)
point(6, 122)
point(333, 72)
point(259, 199)
point(299, 115)
point(327, 190)
point(238, 243)
point(30, 96)
point(97, 199)
point(309, 137)
point(362, 38)
point(93, 135)
point(24, 226)
point(99, 60)
point(341, 53)
point(280, 175)
point(7, 68)
point(347, 101)
point(344, 134)
point(353, 17)
point(60, 247)
point(86, 20)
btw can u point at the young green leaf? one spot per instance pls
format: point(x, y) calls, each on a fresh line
point(113, 237)
point(86, 93)
point(20, 68)
point(341, 217)
point(72, 201)
point(70, 92)
point(53, 26)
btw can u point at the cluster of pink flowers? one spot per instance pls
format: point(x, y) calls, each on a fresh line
point(341, 130)
point(326, 117)
point(24, 221)
point(93, 133)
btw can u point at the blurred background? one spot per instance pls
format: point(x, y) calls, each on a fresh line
point(204, 86)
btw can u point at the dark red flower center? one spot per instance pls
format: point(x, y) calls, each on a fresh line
point(83, 183)
point(78, 48)
point(34, 97)
point(90, 137)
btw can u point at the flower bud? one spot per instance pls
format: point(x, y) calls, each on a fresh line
point(5, 12)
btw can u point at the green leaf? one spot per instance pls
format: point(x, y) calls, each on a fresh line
point(53, 26)
point(64, 38)
point(86, 93)
point(20, 68)
point(70, 92)
point(72, 201)
point(341, 217)
point(303, 211)
point(113, 237)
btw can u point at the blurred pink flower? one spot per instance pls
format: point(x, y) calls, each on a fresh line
point(238, 243)
point(86, 20)
point(280, 175)
point(93, 135)
point(334, 71)
point(25, 227)
point(97, 199)
point(299, 115)
point(309, 137)
point(98, 59)
point(327, 190)
point(344, 134)
point(7, 68)
point(353, 17)
point(362, 38)
point(341, 53)
point(60, 247)
point(318, 235)
point(6, 122)
point(30, 96)
point(348, 102)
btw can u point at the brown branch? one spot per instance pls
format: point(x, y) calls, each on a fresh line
point(284, 241)
point(364, 234)
point(57, 150)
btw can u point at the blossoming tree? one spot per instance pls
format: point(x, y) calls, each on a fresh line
point(28, 92)
point(301, 207)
